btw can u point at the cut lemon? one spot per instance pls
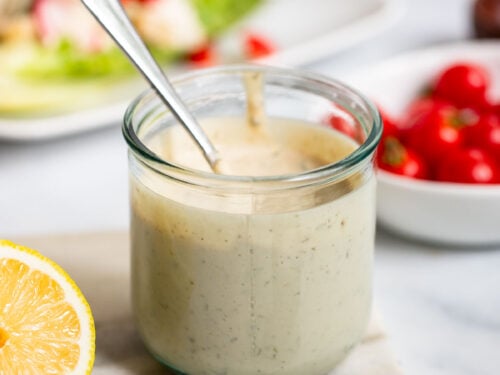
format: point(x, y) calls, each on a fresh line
point(46, 326)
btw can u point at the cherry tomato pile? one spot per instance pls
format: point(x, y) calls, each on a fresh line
point(451, 134)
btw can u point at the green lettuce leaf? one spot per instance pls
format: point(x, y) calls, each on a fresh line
point(218, 15)
point(67, 62)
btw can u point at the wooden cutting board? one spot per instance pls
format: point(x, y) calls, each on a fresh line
point(99, 263)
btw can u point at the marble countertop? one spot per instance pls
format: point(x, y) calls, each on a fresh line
point(441, 306)
point(119, 349)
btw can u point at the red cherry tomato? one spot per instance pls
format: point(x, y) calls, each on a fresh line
point(257, 46)
point(422, 105)
point(485, 134)
point(468, 165)
point(419, 107)
point(495, 109)
point(390, 127)
point(435, 132)
point(203, 57)
point(344, 126)
point(464, 84)
point(393, 157)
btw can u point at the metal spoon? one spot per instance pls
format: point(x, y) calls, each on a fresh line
point(115, 21)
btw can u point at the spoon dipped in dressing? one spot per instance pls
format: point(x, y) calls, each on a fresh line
point(111, 15)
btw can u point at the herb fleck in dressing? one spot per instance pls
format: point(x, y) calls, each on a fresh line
point(218, 289)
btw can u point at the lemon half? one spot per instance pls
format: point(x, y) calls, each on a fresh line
point(46, 325)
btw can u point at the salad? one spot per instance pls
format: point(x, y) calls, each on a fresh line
point(55, 56)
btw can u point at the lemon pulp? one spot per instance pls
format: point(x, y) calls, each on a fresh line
point(40, 322)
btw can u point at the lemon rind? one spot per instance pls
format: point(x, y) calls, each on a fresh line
point(73, 292)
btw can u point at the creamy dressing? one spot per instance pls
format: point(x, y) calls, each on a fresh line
point(254, 87)
point(223, 291)
point(280, 147)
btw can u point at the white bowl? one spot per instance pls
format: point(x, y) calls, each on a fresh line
point(447, 213)
point(439, 212)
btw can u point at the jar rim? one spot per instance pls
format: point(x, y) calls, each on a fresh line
point(335, 169)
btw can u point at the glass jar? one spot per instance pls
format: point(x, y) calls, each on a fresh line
point(252, 275)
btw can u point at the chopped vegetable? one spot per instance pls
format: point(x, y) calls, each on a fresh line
point(257, 46)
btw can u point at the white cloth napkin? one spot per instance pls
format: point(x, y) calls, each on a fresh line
point(373, 356)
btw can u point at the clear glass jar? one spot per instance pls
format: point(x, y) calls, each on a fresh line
point(252, 275)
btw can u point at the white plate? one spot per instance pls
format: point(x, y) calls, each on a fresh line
point(304, 31)
point(438, 212)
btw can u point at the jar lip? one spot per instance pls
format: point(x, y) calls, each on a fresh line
point(348, 163)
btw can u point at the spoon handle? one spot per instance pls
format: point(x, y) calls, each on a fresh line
point(115, 21)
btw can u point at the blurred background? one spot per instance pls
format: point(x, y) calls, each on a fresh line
point(63, 161)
